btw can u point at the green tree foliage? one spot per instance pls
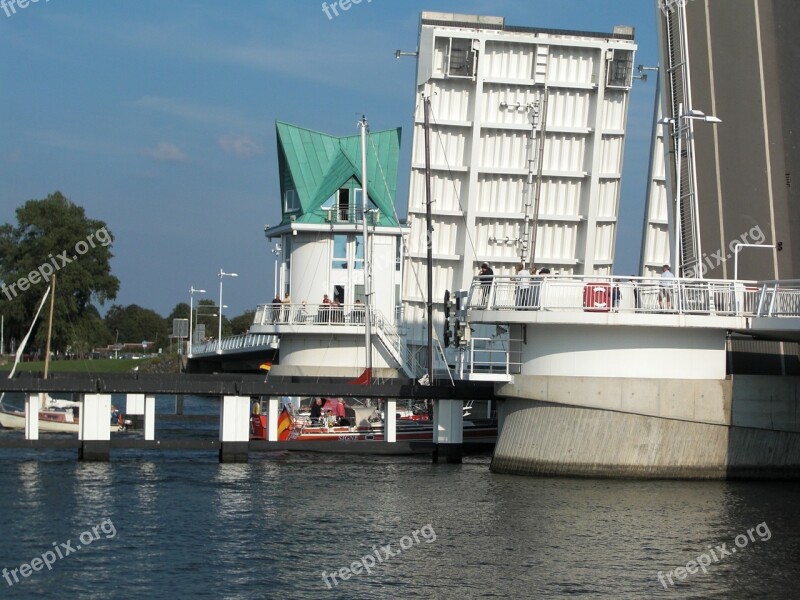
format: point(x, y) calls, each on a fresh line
point(242, 323)
point(181, 311)
point(55, 236)
point(136, 324)
point(206, 314)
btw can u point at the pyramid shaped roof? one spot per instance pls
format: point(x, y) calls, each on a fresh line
point(316, 165)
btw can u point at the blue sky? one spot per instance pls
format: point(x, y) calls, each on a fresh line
point(158, 118)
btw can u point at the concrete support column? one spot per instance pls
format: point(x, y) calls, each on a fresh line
point(448, 431)
point(134, 409)
point(150, 417)
point(390, 421)
point(234, 428)
point(273, 411)
point(32, 404)
point(179, 404)
point(95, 427)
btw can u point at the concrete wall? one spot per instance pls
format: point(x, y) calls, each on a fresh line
point(546, 439)
point(747, 427)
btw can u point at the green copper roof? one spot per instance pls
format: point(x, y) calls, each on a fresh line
point(316, 165)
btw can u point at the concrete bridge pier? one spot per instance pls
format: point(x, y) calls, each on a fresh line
point(234, 429)
point(448, 431)
point(273, 412)
point(95, 430)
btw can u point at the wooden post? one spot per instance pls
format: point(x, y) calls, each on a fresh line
point(234, 428)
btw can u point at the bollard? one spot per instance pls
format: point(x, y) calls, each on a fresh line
point(95, 428)
point(234, 428)
point(448, 431)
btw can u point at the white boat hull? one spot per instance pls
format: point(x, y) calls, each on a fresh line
point(16, 420)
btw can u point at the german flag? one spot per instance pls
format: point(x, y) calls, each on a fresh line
point(284, 425)
point(265, 366)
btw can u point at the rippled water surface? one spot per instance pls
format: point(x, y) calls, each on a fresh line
point(180, 525)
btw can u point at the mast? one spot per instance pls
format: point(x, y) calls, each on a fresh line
point(50, 328)
point(367, 266)
point(429, 225)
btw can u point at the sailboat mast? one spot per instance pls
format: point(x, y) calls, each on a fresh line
point(367, 266)
point(429, 242)
point(50, 327)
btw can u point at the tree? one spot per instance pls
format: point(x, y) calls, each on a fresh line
point(54, 236)
point(136, 324)
point(181, 311)
point(206, 314)
point(242, 323)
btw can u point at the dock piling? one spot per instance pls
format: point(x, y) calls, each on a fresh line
point(95, 430)
point(448, 431)
point(234, 428)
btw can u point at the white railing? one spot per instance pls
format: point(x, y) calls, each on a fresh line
point(236, 342)
point(338, 316)
point(492, 356)
point(779, 299)
point(637, 295)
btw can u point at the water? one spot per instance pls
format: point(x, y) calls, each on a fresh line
point(180, 525)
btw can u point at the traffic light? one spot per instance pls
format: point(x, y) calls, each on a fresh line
point(779, 246)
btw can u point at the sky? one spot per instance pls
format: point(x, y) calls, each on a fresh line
point(159, 118)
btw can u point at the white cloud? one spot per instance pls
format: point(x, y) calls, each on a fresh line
point(166, 151)
point(240, 146)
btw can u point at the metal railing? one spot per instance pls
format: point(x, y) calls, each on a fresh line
point(637, 295)
point(338, 316)
point(236, 342)
point(492, 356)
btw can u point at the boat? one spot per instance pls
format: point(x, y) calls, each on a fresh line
point(55, 415)
point(344, 423)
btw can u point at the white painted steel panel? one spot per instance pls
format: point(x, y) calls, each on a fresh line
point(508, 60)
point(572, 65)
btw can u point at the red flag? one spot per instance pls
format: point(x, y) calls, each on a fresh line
point(364, 379)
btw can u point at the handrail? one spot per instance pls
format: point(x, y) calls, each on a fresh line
point(235, 342)
point(637, 295)
point(340, 316)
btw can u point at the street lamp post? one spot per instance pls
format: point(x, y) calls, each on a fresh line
point(678, 127)
point(219, 332)
point(192, 292)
